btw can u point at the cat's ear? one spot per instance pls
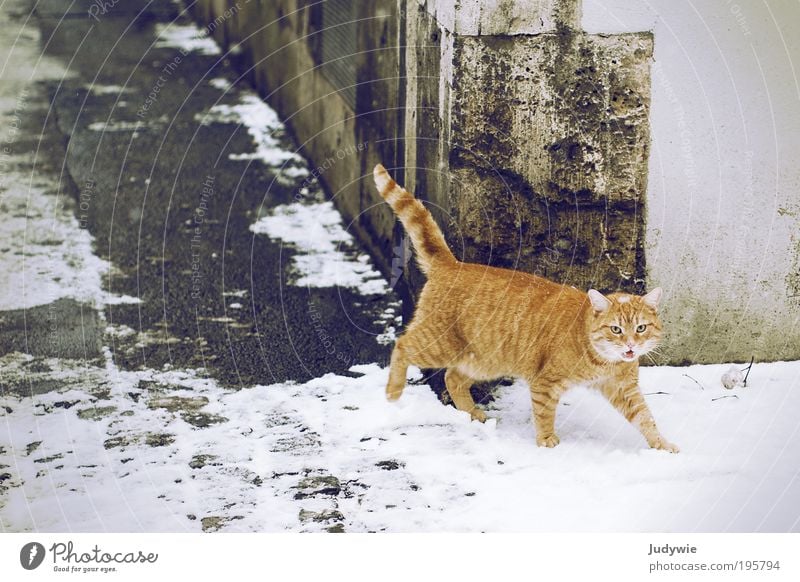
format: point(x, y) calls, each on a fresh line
point(600, 302)
point(652, 298)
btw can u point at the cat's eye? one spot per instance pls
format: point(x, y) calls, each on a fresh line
point(616, 329)
point(641, 327)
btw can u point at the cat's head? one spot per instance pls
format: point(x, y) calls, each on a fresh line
point(623, 327)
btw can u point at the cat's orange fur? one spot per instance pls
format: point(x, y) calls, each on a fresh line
point(483, 323)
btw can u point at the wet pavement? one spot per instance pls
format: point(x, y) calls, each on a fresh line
point(171, 212)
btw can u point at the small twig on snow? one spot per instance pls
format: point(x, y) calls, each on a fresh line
point(695, 381)
point(727, 396)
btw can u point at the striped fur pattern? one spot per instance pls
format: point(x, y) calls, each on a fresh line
point(483, 323)
point(425, 234)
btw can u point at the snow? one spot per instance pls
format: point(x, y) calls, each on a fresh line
point(187, 37)
point(116, 126)
point(286, 457)
point(327, 255)
point(387, 318)
point(733, 377)
point(98, 89)
point(267, 132)
point(221, 83)
point(45, 255)
point(388, 337)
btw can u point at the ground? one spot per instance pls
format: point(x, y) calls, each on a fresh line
point(192, 341)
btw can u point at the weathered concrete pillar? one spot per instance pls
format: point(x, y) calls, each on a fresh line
point(530, 138)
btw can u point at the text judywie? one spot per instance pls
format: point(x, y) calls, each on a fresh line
point(672, 550)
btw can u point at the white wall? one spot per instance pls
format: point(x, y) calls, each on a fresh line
point(723, 215)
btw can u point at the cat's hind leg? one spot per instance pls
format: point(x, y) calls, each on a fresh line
point(458, 385)
point(411, 348)
point(397, 370)
point(421, 346)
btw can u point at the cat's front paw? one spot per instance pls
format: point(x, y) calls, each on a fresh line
point(548, 441)
point(478, 414)
point(664, 445)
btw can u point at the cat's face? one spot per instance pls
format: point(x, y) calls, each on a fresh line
point(624, 327)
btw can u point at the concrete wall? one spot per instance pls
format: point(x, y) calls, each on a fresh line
point(723, 200)
point(531, 147)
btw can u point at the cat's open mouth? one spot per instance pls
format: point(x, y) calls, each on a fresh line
point(629, 355)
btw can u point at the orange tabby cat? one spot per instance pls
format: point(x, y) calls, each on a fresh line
point(483, 323)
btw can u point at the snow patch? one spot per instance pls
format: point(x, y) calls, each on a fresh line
point(268, 134)
point(388, 319)
point(108, 89)
point(388, 337)
point(327, 256)
point(187, 37)
point(221, 83)
point(45, 255)
point(119, 331)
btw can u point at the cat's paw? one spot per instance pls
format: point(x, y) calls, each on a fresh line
point(478, 414)
point(393, 393)
point(548, 441)
point(664, 445)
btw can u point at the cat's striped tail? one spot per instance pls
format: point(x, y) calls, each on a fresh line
point(426, 236)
